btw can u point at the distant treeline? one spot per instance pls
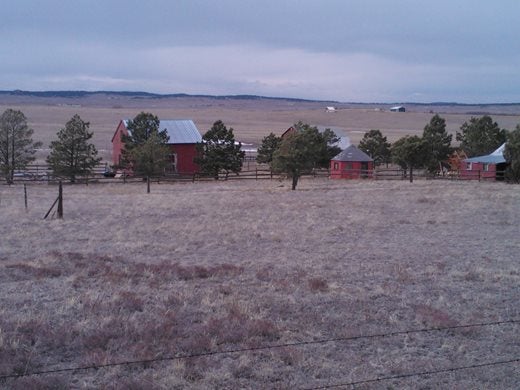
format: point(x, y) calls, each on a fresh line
point(145, 95)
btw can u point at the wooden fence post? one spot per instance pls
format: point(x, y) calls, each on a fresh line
point(25, 195)
point(60, 201)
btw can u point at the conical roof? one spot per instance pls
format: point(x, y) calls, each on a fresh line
point(352, 154)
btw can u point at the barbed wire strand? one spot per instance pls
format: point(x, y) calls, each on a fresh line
point(251, 349)
point(422, 373)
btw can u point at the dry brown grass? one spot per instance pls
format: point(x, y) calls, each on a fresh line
point(200, 267)
point(251, 119)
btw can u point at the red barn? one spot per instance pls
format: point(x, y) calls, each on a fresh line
point(351, 163)
point(491, 166)
point(184, 136)
point(290, 130)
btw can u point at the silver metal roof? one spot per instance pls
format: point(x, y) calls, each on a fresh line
point(352, 154)
point(497, 157)
point(180, 131)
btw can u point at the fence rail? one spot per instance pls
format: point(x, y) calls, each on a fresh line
point(43, 174)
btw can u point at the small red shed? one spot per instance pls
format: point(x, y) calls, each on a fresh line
point(351, 163)
point(491, 166)
point(184, 136)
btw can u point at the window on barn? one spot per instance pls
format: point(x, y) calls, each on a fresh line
point(469, 166)
point(336, 166)
point(485, 167)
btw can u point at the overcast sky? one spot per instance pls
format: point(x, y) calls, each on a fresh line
point(465, 51)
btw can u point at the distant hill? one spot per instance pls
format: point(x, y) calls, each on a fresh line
point(145, 95)
point(137, 96)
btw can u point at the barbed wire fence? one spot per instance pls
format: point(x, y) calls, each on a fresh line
point(474, 365)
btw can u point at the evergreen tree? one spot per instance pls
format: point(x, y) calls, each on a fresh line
point(409, 152)
point(150, 158)
point(376, 146)
point(438, 143)
point(303, 150)
point(269, 145)
point(16, 145)
point(146, 149)
point(480, 136)
point(331, 150)
point(218, 151)
point(72, 155)
point(512, 155)
point(139, 130)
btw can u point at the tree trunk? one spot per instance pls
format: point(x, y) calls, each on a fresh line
point(147, 184)
point(411, 174)
point(294, 181)
point(9, 177)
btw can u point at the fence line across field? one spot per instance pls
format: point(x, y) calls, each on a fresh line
point(39, 173)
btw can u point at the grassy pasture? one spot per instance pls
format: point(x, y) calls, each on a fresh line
point(251, 119)
point(200, 267)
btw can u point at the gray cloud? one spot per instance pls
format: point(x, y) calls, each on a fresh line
point(351, 51)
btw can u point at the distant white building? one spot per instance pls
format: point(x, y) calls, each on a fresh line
point(330, 109)
point(398, 109)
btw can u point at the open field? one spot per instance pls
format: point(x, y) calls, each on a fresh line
point(251, 119)
point(202, 267)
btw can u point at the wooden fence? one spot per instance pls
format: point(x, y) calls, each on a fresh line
point(43, 174)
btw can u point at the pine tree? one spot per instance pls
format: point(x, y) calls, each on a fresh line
point(16, 145)
point(376, 146)
point(438, 143)
point(218, 151)
point(303, 150)
point(512, 155)
point(480, 136)
point(409, 152)
point(269, 145)
point(72, 155)
point(140, 129)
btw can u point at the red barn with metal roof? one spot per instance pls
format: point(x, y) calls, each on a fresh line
point(351, 163)
point(490, 166)
point(184, 136)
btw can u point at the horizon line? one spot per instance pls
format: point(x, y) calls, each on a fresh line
point(81, 93)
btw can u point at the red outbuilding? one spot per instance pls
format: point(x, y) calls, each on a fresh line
point(351, 163)
point(184, 136)
point(491, 166)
